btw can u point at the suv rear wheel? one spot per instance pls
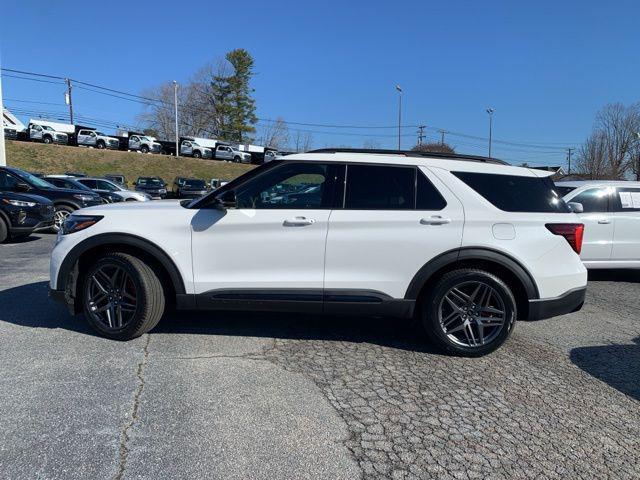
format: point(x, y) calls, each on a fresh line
point(122, 296)
point(469, 312)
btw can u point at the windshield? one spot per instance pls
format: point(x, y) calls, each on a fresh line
point(101, 134)
point(195, 184)
point(151, 182)
point(145, 139)
point(33, 180)
point(48, 128)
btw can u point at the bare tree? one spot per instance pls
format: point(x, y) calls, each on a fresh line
point(371, 144)
point(592, 160)
point(276, 134)
point(302, 143)
point(612, 149)
point(197, 112)
point(434, 148)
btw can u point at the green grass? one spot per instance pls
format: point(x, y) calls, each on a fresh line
point(57, 159)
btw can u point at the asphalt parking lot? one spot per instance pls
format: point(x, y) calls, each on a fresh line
point(274, 396)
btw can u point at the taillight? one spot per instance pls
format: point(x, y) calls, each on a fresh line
point(572, 232)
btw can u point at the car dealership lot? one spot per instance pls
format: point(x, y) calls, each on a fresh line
point(284, 396)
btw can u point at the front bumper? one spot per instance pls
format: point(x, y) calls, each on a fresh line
point(568, 302)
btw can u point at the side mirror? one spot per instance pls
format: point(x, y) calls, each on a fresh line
point(576, 207)
point(22, 187)
point(227, 199)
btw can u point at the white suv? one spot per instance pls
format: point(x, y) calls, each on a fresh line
point(610, 211)
point(465, 244)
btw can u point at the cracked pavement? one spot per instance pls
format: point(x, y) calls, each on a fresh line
point(274, 396)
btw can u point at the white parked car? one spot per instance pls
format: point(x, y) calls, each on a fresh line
point(104, 185)
point(46, 134)
point(610, 211)
point(144, 144)
point(465, 244)
point(191, 148)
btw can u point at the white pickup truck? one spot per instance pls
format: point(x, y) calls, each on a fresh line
point(93, 138)
point(229, 153)
point(191, 148)
point(144, 144)
point(44, 132)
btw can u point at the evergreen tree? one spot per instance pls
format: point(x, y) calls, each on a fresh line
point(234, 104)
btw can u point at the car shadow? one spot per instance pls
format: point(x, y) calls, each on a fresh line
point(620, 275)
point(30, 238)
point(618, 365)
point(29, 306)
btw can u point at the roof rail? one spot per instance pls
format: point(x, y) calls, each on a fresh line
point(411, 153)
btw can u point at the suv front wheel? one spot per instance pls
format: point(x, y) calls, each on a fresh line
point(469, 312)
point(122, 296)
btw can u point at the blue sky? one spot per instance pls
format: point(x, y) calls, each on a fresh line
point(546, 67)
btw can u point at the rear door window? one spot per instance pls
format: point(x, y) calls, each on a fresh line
point(514, 193)
point(374, 187)
point(626, 200)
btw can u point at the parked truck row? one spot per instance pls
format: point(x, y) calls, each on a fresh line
point(52, 132)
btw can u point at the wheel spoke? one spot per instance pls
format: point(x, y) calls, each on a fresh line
point(101, 287)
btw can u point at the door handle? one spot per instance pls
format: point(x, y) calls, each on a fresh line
point(298, 222)
point(435, 220)
point(604, 221)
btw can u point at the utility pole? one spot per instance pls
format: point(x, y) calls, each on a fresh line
point(399, 114)
point(3, 156)
point(569, 150)
point(69, 100)
point(490, 112)
point(442, 132)
point(421, 134)
point(175, 106)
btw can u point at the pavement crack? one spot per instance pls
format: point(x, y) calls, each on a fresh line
point(124, 434)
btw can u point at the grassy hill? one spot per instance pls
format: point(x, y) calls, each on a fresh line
point(52, 159)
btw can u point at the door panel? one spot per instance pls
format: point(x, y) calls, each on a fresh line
point(247, 249)
point(274, 239)
point(598, 223)
point(382, 250)
point(626, 237)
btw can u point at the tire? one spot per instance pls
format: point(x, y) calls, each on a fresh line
point(197, 154)
point(4, 231)
point(101, 145)
point(144, 149)
point(47, 140)
point(236, 159)
point(59, 216)
point(131, 200)
point(128, 292)
point(451, 312)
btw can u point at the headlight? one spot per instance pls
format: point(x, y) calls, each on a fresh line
point(85, 198)
point(75, 223)
point(162, 190)
point(18, 203)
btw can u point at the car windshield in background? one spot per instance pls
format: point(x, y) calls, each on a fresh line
point(564, 190)
point(513, 193)
point(150, 182)
point(38, 182)
point(195, 184)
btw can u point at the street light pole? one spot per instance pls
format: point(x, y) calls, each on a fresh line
point(399, 115)
point(3, 157)
point(175, 106)
point(490, 112)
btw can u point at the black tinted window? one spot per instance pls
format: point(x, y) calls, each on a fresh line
point(593, 200)
point(372, 187)
point(7, 181)
point(513, 193)
point(89, 183)
point(427, 196)
point(564, 190)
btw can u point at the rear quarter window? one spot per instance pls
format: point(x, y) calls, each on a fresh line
point(514, 193)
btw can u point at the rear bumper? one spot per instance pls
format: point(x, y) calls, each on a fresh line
point(568, 302)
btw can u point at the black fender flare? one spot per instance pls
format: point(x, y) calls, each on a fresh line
point(105, 239)
point(472, 253)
